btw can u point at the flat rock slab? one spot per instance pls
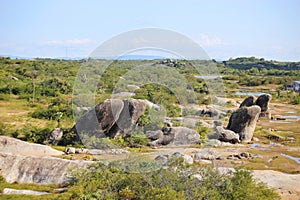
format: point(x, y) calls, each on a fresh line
point(34, 169)
point(28, 192)
point(288, 185)
point(19, 147)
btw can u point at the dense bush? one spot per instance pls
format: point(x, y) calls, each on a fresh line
point(59, 108)
point(32, 134)
point(186, 182)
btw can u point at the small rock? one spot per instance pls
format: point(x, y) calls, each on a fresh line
point(245, 155)
point(255, 139)
point(55, 136)
point(213, 142)
point(177, 154)
point(188, 159)
point(81, 151)
point(238, 156)
point(60, 189)
point(163, 159)
point(70, 150)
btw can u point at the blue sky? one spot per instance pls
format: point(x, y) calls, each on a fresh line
point(224, 29)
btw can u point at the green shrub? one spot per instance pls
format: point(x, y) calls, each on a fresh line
point(58, 109)
point(203, 131)
point(109, 182)
point(3, 128)
point(296, 100)
point(136, 138)
point(33, 134)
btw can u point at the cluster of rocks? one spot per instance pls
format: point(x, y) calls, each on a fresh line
point(204, 155)
point(116, 117)
point(242, 122)
point(165, 160)
point(173, 136)
point(73, 150)
point(243, 155)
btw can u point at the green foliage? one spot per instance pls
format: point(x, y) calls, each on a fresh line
point(59, 108)
point(69, 138)
point(296, 100)
point(3, 128)
point(93, 142)
point(33, 134)
point(136, 138)
point(102, 182)
point(203, 131)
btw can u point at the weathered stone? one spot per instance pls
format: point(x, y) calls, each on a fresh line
point(263, 102)
point(163, 159)
point(249, 101)
point(188, 159)
point(70, 150)
point(184, 136)
point(27, 192)
point(243, 121)
point(213, 142)
point(37, 169)
point(177, 154)
point(81, 151)
point(205, 154)
point(211, 112)
point(15, 146)
point(173, 136)
point(227, 135)
point(111, 118)
point(245, 154)
point(55, 136)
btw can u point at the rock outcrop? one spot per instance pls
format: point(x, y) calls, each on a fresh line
point(19, 147)
point(243, 121)
point(25, 162)
point(36, 169)
point(111, 118)
point(173, 136)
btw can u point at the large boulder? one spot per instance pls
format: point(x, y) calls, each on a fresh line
point(243, 122)
point(249, 101)
point(111, 118)
point(226, 135)
point(173, 136)
point(263, 102)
